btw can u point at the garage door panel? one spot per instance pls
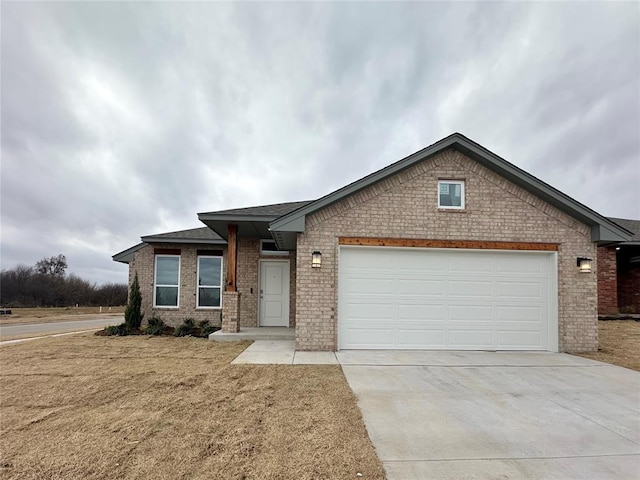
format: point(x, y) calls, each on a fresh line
point(466, 289)
point(470, 264)
point(414, 261)
point(514, 339)
point(471, 313)
point(369, 311)
point(444, 299)
point(420, 286)
point(468, 338)
point(520, 289)
point(420, 313)
point(520, 265)
point(519, 313)
point(421, 338)
point(369, 285)
point(374, 332)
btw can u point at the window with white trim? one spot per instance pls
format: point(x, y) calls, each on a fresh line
point(451, 194)
point(209, 282)
point(166, 290)
point(269, 247)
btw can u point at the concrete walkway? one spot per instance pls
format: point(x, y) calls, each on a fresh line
point(282, 352)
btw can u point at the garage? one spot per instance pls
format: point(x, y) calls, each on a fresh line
point(455, 299)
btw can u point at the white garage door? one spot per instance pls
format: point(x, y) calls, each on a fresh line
point(413, 298)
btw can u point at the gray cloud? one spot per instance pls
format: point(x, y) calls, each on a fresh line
point(125, 119)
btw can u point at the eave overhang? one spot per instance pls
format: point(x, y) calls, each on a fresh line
point(190, 241)
point(256, 226)
point(602, 229)
point(126, 256)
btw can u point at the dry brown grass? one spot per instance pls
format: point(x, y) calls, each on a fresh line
point(619, 343)
point(165, 408)
point(48, 315)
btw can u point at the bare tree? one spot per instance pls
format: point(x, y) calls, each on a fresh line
point(54, 266)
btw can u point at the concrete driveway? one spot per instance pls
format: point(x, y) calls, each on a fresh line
point(484, 415)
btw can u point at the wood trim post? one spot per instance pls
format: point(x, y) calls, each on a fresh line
point(232, 257)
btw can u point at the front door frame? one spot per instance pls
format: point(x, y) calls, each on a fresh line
point(287, 293)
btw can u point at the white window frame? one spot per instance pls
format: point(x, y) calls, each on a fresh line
point(462, 194)
point(278, 253)
point(198, 286)
point(156, 284)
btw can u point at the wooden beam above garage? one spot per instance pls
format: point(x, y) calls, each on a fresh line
point(424, 243)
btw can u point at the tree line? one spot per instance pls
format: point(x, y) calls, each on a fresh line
point(46, 284)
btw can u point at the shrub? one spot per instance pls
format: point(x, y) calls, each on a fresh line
point(628, 309)
point(187, 328)
point(120, 330)
point(133, 313)
point(156, 326)
point(205, 329)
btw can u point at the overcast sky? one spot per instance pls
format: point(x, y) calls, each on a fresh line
point(126, 119)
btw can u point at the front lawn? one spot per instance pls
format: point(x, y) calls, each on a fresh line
point(140, 407)
point(619, 343)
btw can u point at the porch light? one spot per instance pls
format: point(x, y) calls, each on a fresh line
point(316, 259)
point(584, 265)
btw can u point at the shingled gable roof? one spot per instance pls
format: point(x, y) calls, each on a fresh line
point(274, 210)
point(632, 226)
point(251, 221)
point(200, 236)
point(284, 228)
point(126, 256)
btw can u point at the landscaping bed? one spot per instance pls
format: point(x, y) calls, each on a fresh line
point(619, 343)
point(164, 407)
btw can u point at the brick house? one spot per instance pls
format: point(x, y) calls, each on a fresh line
point(619, 272)
point(451, 247)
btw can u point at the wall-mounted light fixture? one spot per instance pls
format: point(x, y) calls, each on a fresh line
point(584, 265)
point(316, 259)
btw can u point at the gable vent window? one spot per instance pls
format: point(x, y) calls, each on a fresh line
point(451, 194)
point(269, 247)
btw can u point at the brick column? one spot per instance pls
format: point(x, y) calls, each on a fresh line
point(230, 312)
point(607, 281)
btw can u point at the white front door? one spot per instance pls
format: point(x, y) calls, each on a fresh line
point(274, 293)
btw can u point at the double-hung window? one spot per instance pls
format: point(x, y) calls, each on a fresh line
point(209, 282)
point(167, 281)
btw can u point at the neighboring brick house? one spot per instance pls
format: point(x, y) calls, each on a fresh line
point(452, 247)
point(619, 272)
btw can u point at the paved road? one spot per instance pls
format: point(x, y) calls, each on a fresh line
point(480, 415)
point(38, 329)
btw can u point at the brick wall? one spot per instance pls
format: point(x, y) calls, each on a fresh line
point(405, 206)
point(144, 263)
point(607, 281)
point(247, 282)
point(629, 289)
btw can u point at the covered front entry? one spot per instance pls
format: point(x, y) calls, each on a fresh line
point(274, 293)
point(458, 299)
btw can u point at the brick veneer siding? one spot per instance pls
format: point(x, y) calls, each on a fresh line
point(629, 288)
point(144, 263)
point(607, 281)
point(231, 309)
point(405, 206)
point(248, 281)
